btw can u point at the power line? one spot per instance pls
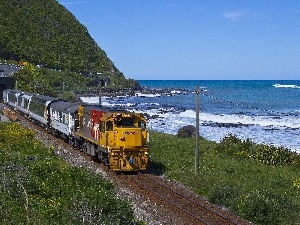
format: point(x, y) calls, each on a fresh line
point(247, 106)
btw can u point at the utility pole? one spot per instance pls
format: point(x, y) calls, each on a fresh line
point(100, 95)
point(63, 90)
point(197, 133)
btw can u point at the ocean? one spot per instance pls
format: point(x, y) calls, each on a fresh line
point(264, 111)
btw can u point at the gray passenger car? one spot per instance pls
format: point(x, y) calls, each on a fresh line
point(23, 102)
point(63, 117)
point(39, 109)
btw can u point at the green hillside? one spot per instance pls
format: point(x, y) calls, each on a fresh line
point(43, 32)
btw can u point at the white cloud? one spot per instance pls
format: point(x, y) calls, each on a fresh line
point(234, 15)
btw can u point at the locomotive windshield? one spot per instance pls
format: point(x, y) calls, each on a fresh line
point(125, 122)
point(122, 121)
point(130, 122)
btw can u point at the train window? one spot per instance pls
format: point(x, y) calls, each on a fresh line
point(102, 126)
point(125, 122)
point(142, 124)
point(11, 97)
point(109, 125)
point(37, 107)
point(26, 104)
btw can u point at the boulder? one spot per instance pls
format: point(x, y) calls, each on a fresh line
point(186, 131)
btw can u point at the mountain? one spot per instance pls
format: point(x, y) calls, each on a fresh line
point(45, 33)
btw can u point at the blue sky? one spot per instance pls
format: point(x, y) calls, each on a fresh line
point(196, 39)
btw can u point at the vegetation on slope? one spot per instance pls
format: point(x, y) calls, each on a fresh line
point(260, 183)
point(37, 187)
point(45, 33)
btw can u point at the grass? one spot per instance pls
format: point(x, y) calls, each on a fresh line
point(37, 187)
point(261, 191)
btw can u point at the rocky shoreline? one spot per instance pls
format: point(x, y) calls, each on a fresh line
point(144, 92)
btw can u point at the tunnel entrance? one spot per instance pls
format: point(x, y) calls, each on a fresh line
point(6, 83)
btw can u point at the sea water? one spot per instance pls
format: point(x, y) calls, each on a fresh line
point(264, 111)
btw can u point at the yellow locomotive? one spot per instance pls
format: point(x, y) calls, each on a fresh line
point(118, 138)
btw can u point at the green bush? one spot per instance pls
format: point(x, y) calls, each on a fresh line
point(263, 207)
point(266, 154)
point(224, 196)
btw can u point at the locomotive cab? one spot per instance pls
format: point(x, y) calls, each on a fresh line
point(125, 139)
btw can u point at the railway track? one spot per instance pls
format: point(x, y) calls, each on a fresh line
point(194, 209)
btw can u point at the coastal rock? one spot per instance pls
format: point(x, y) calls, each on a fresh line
point(186, 131)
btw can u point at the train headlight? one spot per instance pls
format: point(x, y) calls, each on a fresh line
point(131, 160)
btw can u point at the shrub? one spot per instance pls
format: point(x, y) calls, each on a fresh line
point(263, 207)
point(266, 154)
point(224, 196)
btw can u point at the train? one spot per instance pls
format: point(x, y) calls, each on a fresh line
point(117, 137)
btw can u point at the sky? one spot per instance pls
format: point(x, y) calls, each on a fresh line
point(196, 39)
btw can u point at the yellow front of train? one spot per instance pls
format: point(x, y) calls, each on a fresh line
point(125, 138)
